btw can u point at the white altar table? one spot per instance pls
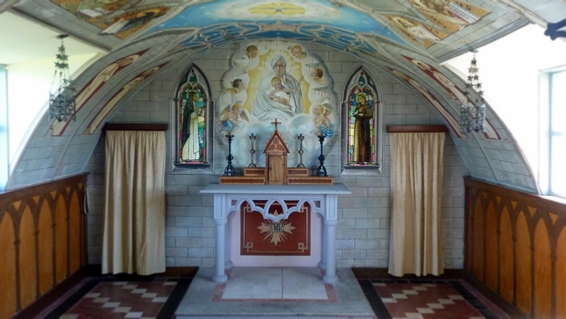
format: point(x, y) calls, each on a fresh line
point(323, 200)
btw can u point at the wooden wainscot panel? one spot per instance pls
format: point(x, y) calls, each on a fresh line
point(560, 281)
point(8, 288)
point(61, 240)
point(41, 236)
point(543, 272)
point(517, 245)
point(491, 250)
point(523, 264)
point(506, 264)
point(46, 235)
point(27, 259)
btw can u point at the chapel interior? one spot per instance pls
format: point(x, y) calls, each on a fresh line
point(293, 159)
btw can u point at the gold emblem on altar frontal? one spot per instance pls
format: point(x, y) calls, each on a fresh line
point(276, 232)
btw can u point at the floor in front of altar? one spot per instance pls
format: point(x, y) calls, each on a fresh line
point(270, 292)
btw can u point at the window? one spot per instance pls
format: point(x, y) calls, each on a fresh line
point(362, 118)
point(192, 113)
point(557, 133)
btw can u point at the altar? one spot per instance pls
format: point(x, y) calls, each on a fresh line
point(322, 200)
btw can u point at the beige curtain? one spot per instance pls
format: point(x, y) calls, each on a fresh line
point(134, 206)
point(416, 178)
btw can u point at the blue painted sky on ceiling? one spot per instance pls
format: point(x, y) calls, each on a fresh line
point(220, 34)
point(269, 12)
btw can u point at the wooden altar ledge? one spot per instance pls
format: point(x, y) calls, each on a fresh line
point(323, 200)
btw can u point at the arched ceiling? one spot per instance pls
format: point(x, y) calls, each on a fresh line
point(409, 39)
point(392, 35)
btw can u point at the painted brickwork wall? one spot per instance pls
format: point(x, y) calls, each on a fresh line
point(364, 216)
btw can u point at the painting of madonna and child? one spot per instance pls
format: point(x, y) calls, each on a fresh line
point(276, 80)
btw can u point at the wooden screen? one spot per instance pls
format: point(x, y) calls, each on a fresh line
point(42, 240)
point(516, 246)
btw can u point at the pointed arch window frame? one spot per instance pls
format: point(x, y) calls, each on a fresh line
point(375, 168)
point(183, 87)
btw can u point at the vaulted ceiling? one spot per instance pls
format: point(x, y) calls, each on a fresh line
point(409, 39)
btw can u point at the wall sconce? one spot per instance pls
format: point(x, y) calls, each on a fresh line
point(472, 116)
point(61, 95)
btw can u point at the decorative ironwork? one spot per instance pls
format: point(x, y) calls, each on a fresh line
point(301, 137)
point(252, 151)
point(62, 96)
point(472, 115)
point(321, 170)
point(229, 169)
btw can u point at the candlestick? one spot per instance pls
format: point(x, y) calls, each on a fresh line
point(301, 138)
point(321, 170)
point(229, 169)
point(252, 151)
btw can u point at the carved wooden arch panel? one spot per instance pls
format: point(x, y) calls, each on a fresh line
point(35, 245)
point(517, 245)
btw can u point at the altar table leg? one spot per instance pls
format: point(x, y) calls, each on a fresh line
point(330, 229)
point(324, 248)
point(227, 261)
point(220, 275)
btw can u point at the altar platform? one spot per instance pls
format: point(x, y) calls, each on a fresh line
point(274, 292)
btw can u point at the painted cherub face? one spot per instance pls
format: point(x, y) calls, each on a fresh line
point(237, 109)
point(296, 50)
point(251, 51)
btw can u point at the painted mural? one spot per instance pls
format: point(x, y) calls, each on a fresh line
point(454, 124)
point(451, 88)
point(290, 12)
point(109, 106)
point(420, 33)
point(450, 15)
point(113, 17)
point(58, 127)
point(276, 80)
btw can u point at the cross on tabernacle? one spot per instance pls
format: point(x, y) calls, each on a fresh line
point(275, 123)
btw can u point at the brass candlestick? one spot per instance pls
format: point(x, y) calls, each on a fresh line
point(301, 138)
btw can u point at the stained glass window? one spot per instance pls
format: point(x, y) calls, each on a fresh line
point(192, 113)
point(361, 103)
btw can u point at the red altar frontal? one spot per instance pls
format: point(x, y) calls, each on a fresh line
point(264, 237)
point(256, 241)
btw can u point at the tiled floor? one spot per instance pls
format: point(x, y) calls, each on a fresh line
point(427, 299)
point(109, 298)
point(272, 292)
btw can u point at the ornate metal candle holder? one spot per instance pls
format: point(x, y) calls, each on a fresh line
point(229, 169)
point(321, 170)
point(252, 151)
point(301, 138)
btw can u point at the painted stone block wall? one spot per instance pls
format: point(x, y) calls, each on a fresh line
point(364, 216)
